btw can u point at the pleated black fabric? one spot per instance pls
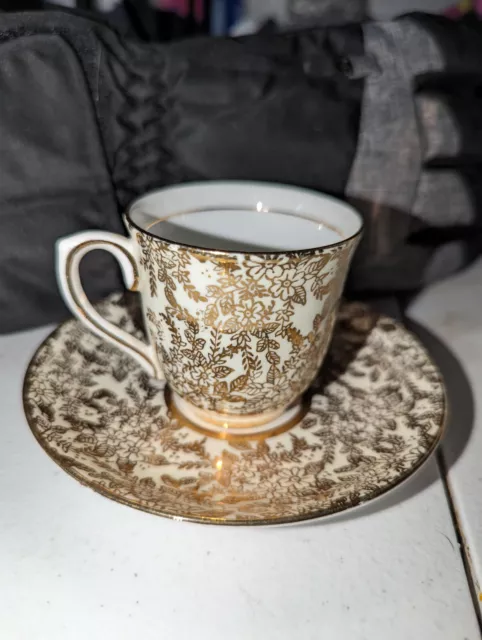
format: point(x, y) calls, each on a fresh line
point(386, 115)
point(88, 121)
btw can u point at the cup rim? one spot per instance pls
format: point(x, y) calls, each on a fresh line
point(234, 253)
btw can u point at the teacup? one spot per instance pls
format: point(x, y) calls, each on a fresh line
point(240, 284)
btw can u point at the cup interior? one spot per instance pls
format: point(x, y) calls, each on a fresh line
point(245, 217)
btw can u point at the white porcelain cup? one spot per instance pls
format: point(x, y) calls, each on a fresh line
point(239, 283)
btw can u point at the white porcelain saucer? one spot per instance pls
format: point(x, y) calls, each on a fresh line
point(373, 417)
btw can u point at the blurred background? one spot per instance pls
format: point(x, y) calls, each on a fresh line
point(164, 20)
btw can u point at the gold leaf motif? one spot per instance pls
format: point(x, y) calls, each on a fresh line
point(199, 359)
point(214, 291)
point(170, 297)
point(86, 438)
point(273, 357)
point(157, 460)
point(300, 295)
point(221, 388)
point(100, 450)
point(193, 293)
point(176, 483)
point(211, 315)
point(126, 465)
point(315, 267)
point(226, 305)
point(222, 372)
point(240, 382)
point(243, 445)
point(270, 327)
point(230, 326)
point(234, 398)
point(261, 345)
point(320, 290)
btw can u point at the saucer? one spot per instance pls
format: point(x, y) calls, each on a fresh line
point(374, 415)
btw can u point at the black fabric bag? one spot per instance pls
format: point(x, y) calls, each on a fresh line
point(88, 121)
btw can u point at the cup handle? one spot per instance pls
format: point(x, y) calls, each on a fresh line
point(70, 251)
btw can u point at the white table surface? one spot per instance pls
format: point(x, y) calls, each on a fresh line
point(453, 311)
point(76, 566)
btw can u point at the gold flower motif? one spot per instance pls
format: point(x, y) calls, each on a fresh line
point(286, 285)
point(291, 478)
point(200, 374)
point(249, 289)
point(257, 267)
point(133, 449)
point(284, 314)
point(108, 437)
point(249, 314)
point(42, 392)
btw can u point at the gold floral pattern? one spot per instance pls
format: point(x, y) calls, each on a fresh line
point(376, 412)
point(240, 333)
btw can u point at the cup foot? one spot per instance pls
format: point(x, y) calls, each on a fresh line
point(220, 424)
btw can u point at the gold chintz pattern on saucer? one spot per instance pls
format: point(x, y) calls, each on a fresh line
point(376, 412)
